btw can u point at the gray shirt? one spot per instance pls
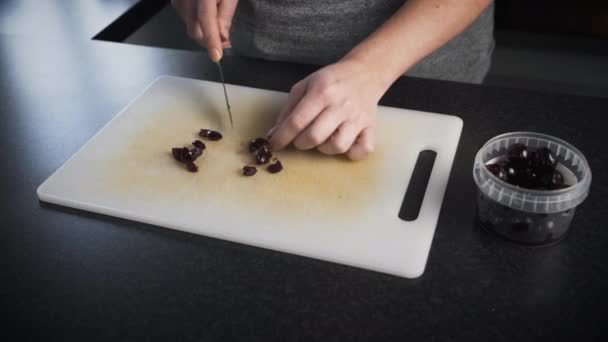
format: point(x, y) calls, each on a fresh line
point(322, 31)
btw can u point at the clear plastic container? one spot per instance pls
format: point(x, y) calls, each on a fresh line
point(523, 215)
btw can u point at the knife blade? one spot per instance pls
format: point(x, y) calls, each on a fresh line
point(219, 65)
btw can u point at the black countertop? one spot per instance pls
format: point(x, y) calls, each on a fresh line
point(69, 274)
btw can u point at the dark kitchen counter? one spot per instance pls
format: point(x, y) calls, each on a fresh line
point(68, 274)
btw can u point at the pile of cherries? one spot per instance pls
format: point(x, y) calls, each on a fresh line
point(529, 169)
point(260, 148)
point(187, 156)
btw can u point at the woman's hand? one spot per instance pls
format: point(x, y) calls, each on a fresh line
point(208, 22)
point(332, 110)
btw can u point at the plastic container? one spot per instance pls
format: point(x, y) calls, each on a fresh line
point(527, 216)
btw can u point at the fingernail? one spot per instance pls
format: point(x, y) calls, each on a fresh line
point(216, 55)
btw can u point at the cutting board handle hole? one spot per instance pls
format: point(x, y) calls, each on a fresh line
point(412, 202)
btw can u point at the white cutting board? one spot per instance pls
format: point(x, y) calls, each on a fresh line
point(322, 207)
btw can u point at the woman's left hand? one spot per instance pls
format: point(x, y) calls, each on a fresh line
point(333, 110)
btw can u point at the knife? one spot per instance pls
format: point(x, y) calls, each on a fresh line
point(219, 65)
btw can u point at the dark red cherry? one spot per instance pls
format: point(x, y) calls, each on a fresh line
point(186, 156)
point(257, 143)
point(544, 161)
point(191, 167)
point(196, 152)
point(262, 158)
point(498, 171)
point(177, 153)
point(209, 134)
point(552, 181)
point(517, 152)
point(276, 167)
point(199, 144)
point(249, 171)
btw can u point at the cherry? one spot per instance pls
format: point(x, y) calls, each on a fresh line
point(191, 167)
point(530, 178)
point(265, 149)
point(185, 156)
point(544, 161)
point(199, 144)
point(512, 174)
point(257, 143)
point(498, 171)
point(249, 171)
point(196, 152)
point(517, 152)
point(209, 134)
point(275, 167)
point(177, 154)
point(552, 181)
point(262, 158)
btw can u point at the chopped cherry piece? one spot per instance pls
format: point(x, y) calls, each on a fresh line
point(275, 167)
point(257, 143)
point(249, 171)
point(209, 134)
point(186, 156)
point(265, 149)
point(213, 135)
point(191, 167)
point(177, 153)
point(199, 144)
point(262, 158)
point(196, 152)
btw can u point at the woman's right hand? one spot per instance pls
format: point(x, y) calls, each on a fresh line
point(208, 23)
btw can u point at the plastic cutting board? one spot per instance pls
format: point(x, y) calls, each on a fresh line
point(321, 207)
